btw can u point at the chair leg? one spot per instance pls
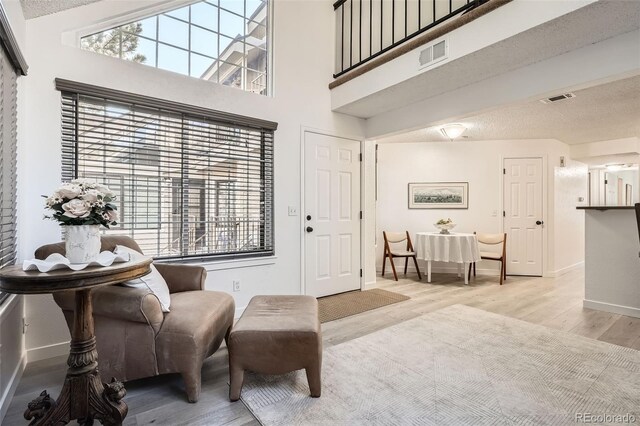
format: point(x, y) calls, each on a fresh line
point(226, 336)
point(470, 267)
point(384, 262)
point(415, 262)
point(192, 380)
point(406, 261)
point(393, 268)
point(314, 379)
point(504, 262)
point(501, 271)
point(236, 379)
point(474, 269)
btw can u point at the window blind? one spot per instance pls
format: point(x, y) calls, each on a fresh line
point(189, 185)
point(8, 142)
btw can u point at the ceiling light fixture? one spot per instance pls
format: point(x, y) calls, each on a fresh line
point(614, 167)
point(452, 131)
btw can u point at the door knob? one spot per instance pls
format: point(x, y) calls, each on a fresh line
point(309, 229)
point(539, 222)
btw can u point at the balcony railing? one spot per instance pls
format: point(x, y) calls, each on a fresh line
point(369, 28)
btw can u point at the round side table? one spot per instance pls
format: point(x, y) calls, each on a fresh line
point(84, 396)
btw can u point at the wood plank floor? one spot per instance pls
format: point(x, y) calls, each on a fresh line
point(552, 302)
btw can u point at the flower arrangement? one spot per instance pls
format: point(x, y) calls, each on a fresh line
point(82, 202)
point(445, 225)
point(444, 221)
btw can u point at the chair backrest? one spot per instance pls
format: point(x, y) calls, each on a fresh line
point(108, 243)
point(493, 240)
point(395, 237)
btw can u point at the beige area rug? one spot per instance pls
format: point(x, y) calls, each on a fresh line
point(457, 366)
point(344, 305)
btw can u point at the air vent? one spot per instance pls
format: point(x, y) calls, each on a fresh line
point(557, 98)
point(433, 54)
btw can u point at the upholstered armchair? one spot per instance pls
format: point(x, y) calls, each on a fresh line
point(136, 339)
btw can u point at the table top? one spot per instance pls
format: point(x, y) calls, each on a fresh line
point(450, 234)
point(14, 280)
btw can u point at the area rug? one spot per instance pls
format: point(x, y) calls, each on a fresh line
point(344, 305)
point(457, 366)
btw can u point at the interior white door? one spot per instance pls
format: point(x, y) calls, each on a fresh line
point(331, 214)
point(523, 219)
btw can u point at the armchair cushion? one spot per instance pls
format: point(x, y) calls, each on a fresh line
point(194, 328)
point(154, 282)
point(181, 278)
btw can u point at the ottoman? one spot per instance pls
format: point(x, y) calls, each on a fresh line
point(276, 335)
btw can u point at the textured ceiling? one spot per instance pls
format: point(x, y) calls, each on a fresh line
point(605, 112)
point(590, 24)
point(34, 8)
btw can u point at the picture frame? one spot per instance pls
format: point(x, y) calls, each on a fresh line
point(438, 195)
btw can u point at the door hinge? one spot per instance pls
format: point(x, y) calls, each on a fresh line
point(504, 171)
point(25, 325)
point(504, 214)
point(360, 214)
point(360, 156)
point(360, 272)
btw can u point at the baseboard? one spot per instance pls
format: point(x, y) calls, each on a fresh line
point(560, 272)
point(5, 401)
point(369, 284)
point(49, 351)
point(610, 307)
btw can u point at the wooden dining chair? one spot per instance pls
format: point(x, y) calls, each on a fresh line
point(500, 256)
point(408, 252)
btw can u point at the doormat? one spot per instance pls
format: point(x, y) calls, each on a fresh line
point(344, 305)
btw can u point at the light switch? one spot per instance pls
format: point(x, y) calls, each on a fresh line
point(293, 211)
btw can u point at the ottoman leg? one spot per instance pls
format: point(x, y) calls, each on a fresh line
point(314, 380)
point(236, 378)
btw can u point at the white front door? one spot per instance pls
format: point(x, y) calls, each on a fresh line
point(331, 214)
point(523, 215)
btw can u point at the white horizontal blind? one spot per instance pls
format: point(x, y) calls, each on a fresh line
point(188, 186)
point(8, 142)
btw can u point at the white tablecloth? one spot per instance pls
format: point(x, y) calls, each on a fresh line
point(454, 247)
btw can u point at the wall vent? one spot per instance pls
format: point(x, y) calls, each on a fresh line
point(557, 98)
point(434, 53)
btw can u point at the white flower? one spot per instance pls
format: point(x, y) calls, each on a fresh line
point(77, 208)
point(106, 192)
point(91, 195)
point(86, 183)
point(53, 200)
point(69, 190)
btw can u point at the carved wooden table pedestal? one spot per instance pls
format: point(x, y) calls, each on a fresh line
point(84, 396)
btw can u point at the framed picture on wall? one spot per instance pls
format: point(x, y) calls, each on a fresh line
point(439, 195)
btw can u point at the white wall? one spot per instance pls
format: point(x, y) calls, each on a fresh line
point(302, 71)
point(480, 164)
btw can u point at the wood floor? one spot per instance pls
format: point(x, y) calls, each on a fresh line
point(552, 302)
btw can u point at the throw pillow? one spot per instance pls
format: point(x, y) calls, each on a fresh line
point(153, 281)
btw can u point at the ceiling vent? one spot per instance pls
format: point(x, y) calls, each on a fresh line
point(557, 98)
point(433, 54)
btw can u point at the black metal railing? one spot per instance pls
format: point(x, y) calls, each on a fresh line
point(369, 28)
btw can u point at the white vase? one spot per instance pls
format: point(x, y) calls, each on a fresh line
point(82, 243)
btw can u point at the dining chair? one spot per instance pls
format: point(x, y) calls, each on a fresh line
point(396, 238)
point(500, 256)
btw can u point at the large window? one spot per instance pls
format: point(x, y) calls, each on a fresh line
point(8, 142)
point(224, 41)
point(190, 182)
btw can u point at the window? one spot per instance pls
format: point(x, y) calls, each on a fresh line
point(224, 41)
point(8, 138)
point(191, 183)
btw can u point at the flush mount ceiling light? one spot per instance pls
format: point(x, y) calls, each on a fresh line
point(614, 167)
point(452, 131)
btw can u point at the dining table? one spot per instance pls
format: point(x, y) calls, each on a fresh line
point(454, 247)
